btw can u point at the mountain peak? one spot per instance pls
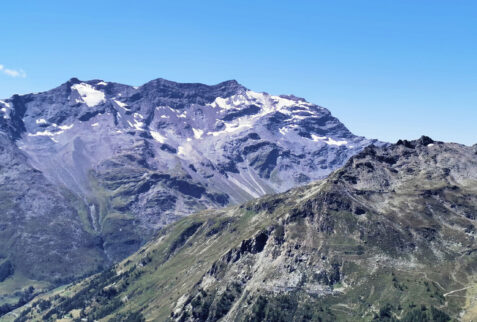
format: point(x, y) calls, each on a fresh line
point(223, 89)
point(231, 83)
point(73, 80)
point(425, 140)
point(422, 141)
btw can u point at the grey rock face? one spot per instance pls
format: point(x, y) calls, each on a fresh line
point(114, 163)
point(44, 234)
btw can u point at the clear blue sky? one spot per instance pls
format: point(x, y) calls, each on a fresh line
point(387, 69)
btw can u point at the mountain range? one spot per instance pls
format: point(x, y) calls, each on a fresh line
point(388, 237)
point(90, 171)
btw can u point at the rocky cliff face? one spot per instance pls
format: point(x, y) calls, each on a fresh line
point(390, 236)
point(91, 170)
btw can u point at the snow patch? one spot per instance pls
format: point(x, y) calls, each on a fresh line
point(300, 117)
point(328, 140)
point(256, 95)
point(139, 125)
point(222, 103)
point(283, 130)
point(41, 121)
point(102, 83)
point(338, 143)
point(158, 137)
point(45, 133)
point(268, 104)
point(7, 105)
point(66, 127)
point(120, 104)
point(317, 138)
point(197, 133)
point(181, 150)
point(95, 124)
point(89, 95)
point(5, 109)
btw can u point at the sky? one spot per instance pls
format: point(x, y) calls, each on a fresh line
point(387, 69)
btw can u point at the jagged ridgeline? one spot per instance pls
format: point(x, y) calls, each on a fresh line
point(390, 236)
point(90, 171)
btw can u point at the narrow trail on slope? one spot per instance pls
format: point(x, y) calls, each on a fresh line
point(454, 291)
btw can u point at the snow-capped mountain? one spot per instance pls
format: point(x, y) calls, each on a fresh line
point(240, 142)
point(133, 159)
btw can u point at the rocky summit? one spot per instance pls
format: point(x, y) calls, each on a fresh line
point(91, 170)
point(388, 237)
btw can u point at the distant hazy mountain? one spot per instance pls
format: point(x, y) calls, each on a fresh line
point(389, 237)
point(89, 171)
